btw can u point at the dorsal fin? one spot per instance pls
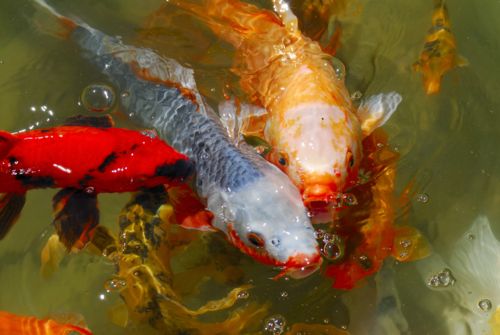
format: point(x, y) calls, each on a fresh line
point(104, 121)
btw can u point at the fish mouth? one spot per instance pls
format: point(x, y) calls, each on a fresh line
point(300, 266)
point(319, 196)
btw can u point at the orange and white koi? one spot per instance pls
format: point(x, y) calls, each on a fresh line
point(440, 50)
point(13, 324)
point(307, 116)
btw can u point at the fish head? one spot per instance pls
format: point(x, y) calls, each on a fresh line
point(268, 221)
point(319, 148)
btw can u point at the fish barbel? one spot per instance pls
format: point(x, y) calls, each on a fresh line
point(253, 203)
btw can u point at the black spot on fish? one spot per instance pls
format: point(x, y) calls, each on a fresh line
point(86, 178)
point(107, 160)
point(134, 146)
point(13, 160)
point(44, 130)
point(31, 181)
point(180, 169)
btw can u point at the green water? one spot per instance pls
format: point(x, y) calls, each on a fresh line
point(448, 145)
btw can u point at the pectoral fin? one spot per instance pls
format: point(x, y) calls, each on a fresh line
point(242, 119)
point(11, 205)
point(375, 111)
point(189, 212)
point(75, 216)
point(462, 61)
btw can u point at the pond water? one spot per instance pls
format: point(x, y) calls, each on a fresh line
point(448, 146)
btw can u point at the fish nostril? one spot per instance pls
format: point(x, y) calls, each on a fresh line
point(275, 242)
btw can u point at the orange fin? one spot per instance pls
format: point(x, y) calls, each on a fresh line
point(189, 212)
point(103, 121)
point(65, 25)
point(75, 216)
point(51, 256)
point(7, 140)
point(334, 42)
point(11, 205)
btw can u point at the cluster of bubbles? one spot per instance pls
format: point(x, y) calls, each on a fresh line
point(115, 284)
point(442, 279)
point(275, 324)
point(332, 246)
point(345, 200)
point(98, 98)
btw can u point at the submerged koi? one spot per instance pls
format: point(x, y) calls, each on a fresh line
point(309, 119)
point(251, 201)
point(13, 324)
point(84, 161)
point(370, 234)
point(440, 50)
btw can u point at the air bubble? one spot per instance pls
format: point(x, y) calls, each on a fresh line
point(338, 67)
point(275, 324)
point(125, 94)
point(485, 305)
point(115, 284)
point(98, 98)
point(243, 295)
point(333, 250)
point(356, 95)
point(423, 198)
point(442, 279)
point(89, 190)
point(284, 294)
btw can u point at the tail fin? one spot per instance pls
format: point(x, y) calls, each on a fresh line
point(233, 20)
point(65, 25)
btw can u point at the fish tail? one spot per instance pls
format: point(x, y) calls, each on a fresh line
point(7, 140)
point(233, 21)
point(65, 25)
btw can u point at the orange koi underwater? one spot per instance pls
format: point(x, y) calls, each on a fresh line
point(370, 235)
point(440, 50)
point(308, 118)
point(13, 324)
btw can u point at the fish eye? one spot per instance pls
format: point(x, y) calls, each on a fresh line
point(256, 239)
point(282, 160)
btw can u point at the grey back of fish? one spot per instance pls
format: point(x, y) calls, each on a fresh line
point(178, 119)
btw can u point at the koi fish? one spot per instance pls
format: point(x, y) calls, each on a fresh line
point(142, 255)
point(250, 200)
point(475, 294)
point(440, 50)
point(309, 119)
point(368, 230)
point(84, 161)
point(13, 324)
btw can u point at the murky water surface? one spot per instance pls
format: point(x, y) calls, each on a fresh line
point(448, 145)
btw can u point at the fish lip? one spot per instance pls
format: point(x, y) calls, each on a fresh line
point(300, 266)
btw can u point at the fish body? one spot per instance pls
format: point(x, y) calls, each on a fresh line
point(311, 124)
point(83, 161)
point(254, 203)
point(440, 50)
point(103, 160)
point(13, 324)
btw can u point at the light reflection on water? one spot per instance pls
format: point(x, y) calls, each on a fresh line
point(448, 146)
